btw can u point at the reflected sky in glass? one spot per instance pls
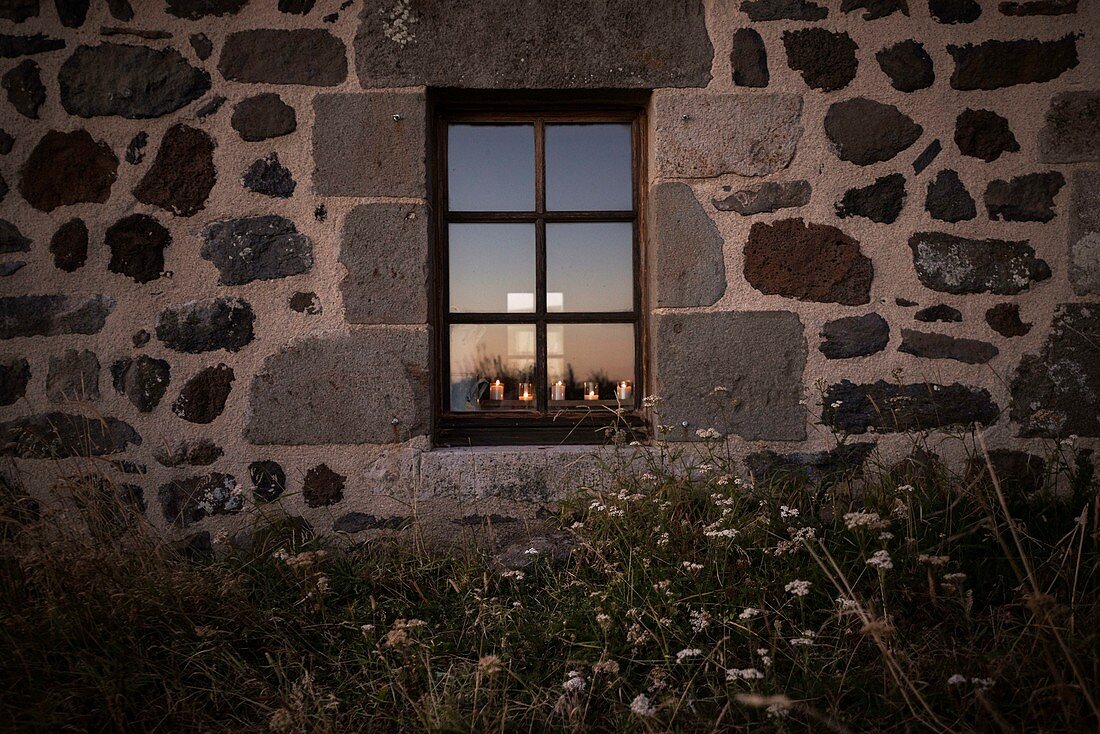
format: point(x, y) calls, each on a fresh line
point(577, 353)
point(483, 353)
point(591, 265)
point(491, 168)
point(588, 167)
point(492, 268)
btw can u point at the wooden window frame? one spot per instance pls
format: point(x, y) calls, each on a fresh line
point(540, 426)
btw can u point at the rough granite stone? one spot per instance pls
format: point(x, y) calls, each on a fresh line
point(135, 151)
point(758, 10)
point(762, 375)
point(72, 13)
point(11, 239)
point(140, 338)
point(69, 245)
point(15, 373)
point(198, 9)
point(854, 336)
point(319, 390)
point(322, 486)
point(262, 117)
point(73, 375)
point(690, 269)
point(924, 160)
point(1057, 392)
point(206, 325)
point(53, 315)
point(268, 480)
point(199, 452)
point(875, 9)
point(952, 12)
point(995, 64)
point(67, 168)
point(530, 44)
point(941, 346)
point(201, 45)
point(1038, 7)
point(202, 398)
point(211, 106)
point(948, 200)
point(182, 173)
point(940, 312)
point(817, 467)
point(984, 134)
point(880, 201)
point(1027, 198)
point(1071, 133)
point(958, 265)
point(810, 262)
point(887, 407)
point(269, 177)
point(307, 302)
point(12, 47)
point(187, 501)
point(706, 135)
point(359, 149)
point(766, 198)
point(908, 65)
point(1084, 232)
point(384, 248)
point(18, 11)
point(135, 82)
point(1004, 318)
point(308, 56)
point(749, 59)
point(864, 131)
point(826, 60)
point(64, 435)
point(256, 248)
point(26, 92)
point(137, 244)
point(357, 522)
point(143, 380)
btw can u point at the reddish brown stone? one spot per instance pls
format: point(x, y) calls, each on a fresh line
point(67, 168)
point(182, 174)
point(322, 486)
point(1004, 318)
point(810, 262)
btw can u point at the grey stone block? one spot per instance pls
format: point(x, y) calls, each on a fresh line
point(1084, 233)
point(691, 270)
point(385, 250)
point(73, 375)
point(1072, 130)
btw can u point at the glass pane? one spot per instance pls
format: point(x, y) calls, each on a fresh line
point(590, 365)
point(588, 168)
point(492, 268)
point(590, 267)
point(491, 168)
point(492, 367)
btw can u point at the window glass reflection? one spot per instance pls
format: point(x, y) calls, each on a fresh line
point(492, 367)
point(590, 365)
point(590, 266)
point(588, 167)
point(491, 168)
point(492, 268)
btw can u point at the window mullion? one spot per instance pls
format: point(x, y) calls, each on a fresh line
point(540, 266)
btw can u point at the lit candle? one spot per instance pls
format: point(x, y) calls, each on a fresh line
point(496, 390)
point(623, 391)
point(526, 391)
point(591, 391)
point(557, 391)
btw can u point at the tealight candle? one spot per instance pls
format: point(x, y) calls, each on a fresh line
point(557, 391)
point(526, 391)
point(591, 391)
point(496, 390)
point(623, 391)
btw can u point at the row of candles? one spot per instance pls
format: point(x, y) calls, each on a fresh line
point(623, 391)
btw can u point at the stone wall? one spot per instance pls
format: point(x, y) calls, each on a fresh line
point(865, 216)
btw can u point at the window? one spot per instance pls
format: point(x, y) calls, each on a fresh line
point(539, 310)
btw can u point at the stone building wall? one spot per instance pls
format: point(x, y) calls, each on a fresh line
point(216, 238)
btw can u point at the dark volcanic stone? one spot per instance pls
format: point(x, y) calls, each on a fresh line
point(997, 64)
point(939, 312)
point(908, 65)
point(954, 11)
point(810, 262)
point(268, 480)
point(783, 10)
point(984, 134)
point(14, 376)
point(26, 92)
point(210, 107)
point(6, 142)
point(888, 407)
point(305, 56)
point(1027, 198)
point(67, 168)
point(880, 202)
point(3, 188)
point(256, 248)
point(531, 44)
point(1057, 392)
point(197, 9)
point(64, 435)
point(356, 522)
point(137, 245)
point(69, 245)
point(749, 59)
point(322, 486)
point(135, 151)
point(296, 7)
point(942, 346)
point(206, 325)
point(875, 9)
point(73, 375)
point(1017, 472)
point(11, 267)
point(72, 13)
point(12, 47)
point(202, 398)
point(826, 60)
point(269, 177)
point(135, 82)
point(120, 10)
point(959, 265)
point(1038, 7)
point(818, 467)
point(140, 338)
point(477, 519)
point(187, 501)
point(182, 174)
point(307, 303)
point(1004, 318)
point(905, 302)
point(765, 198)
point(263, 116)
point(148, 35)
point(948, 200)
point(864, 131)
point(929, 154)
point(854, 336)
point(201, 45)
point(143, 380)
point(52, 315)
point(201, 452)
point(18, 11)
point(11, 239)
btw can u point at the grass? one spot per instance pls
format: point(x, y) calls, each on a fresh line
point(903, 598)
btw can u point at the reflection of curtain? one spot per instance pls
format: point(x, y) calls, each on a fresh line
point(467, 355)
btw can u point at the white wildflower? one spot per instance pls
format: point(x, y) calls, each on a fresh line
point(700, 620)
point(688, 652)
point(575, 682)
point(690, 566)
point(982, 684)
point(748, 613)
point(734, 674)
point(853, 520)
point(798, 588)
point(787, 512)
point(641, 706)
point(705, 433)
point(956, 680)
point(881, 560)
